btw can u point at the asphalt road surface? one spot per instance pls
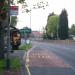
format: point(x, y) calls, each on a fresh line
point(51, 59)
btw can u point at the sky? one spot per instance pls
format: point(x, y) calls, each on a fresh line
point(37, 19)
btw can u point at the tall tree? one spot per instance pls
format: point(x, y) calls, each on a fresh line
point(52, 24)
point(63, 25)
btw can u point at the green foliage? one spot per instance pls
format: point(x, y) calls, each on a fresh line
point(21, 1)
point(72, 30)
point(14, 62)
point(18, 1)
point(45, 36)
point(52, 24)
point(13, 21)
point(51, 14)
point(2, 64)
point(3, 10)
point(25, 47)
point(63, 25)
point(2, 0)
point(3, 5)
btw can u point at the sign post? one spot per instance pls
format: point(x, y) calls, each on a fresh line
point(12, 11)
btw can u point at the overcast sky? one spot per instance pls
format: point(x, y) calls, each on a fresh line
point(39, 16)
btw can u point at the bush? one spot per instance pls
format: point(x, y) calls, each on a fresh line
point(25, 47)
point(14, 63)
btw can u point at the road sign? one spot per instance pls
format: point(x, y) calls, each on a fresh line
point(14, 10)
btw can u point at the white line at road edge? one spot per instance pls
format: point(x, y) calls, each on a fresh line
point(27, 67)
point(27, 57)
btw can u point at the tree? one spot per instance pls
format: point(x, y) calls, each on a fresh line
point(3, 16)
point(13, 20)
point(3, 10)
point(38, 5)
point(63, 25)
point(72, 30)
point(21, 1)
point(3, 23)
point(51, 14)
point(52, 24)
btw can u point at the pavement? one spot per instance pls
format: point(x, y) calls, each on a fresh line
point(21, 54)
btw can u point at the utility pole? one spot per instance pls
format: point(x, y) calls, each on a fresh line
point(8, 39)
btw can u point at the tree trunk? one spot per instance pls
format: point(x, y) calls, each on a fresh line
point(1, 42)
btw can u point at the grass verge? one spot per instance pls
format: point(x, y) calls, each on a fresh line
point(25, 47)
point(14, 64)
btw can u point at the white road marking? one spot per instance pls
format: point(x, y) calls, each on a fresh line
point(43, 56)
point(27, 67)
point(39, 56)
point(27, 60)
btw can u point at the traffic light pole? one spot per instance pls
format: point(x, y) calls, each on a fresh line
point(8, 39)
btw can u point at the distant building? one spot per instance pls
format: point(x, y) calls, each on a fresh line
point(36, 34)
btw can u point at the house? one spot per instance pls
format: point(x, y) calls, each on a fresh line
point(36, 34)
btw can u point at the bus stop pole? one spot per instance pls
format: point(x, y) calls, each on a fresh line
point(8, 39)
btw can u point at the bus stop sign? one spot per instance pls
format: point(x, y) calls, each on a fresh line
point(14, 10)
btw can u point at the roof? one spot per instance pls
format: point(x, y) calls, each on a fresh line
point(36, 33)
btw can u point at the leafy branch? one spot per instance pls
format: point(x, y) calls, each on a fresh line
point(38, 5)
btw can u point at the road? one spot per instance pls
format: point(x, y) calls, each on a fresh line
point(51, 59)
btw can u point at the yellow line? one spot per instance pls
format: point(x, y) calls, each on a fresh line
point(27, 67)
